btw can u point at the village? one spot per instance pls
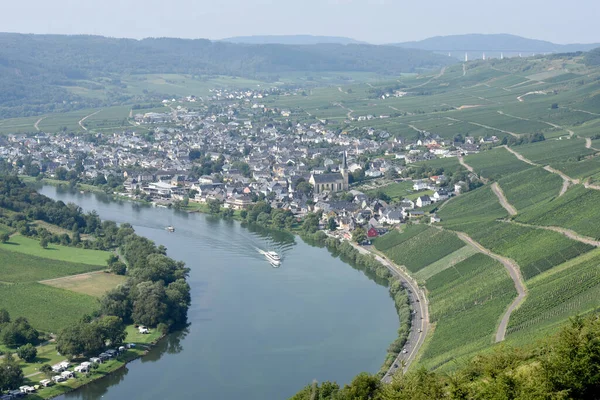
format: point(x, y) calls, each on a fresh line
point(237, 151)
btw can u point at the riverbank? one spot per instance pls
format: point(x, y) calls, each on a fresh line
point(373, 269)
point(143, 344)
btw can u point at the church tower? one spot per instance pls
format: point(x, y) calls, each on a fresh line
point(344, 171)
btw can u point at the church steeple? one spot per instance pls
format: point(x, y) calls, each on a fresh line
point(344, 171)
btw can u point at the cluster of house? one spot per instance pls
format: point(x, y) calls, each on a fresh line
point(232, 130)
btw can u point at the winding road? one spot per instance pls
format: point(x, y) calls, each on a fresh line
point(515, 274)
point(86, 117)
point(420, 322)
point(567, 180)
point(37, 123)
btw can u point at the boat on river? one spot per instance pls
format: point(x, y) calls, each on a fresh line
point(271, 256)
point(170, 228)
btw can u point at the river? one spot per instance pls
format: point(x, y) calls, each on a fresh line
point(255, 332)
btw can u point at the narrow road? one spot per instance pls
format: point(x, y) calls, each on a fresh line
point(86, 117)
point(442, 72)
point(462, 162)
point(515, 274)
point(37, 123)
point(517, 135)
point(420, 322)
point(503, 200)
point(567, 232)
point(520, 98)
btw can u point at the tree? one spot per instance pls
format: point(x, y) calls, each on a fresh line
point(27, 352)
point(112, 329)
point(18, 333)
point(44, 242)
point(331, 225)
point(11, 374)
point(46, 369)
point(150, 307)
point(118, 268)
point(359, 235)
point(4, 237)
point(214, 206)
point(4, 316)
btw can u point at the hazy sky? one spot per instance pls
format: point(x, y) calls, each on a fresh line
point(376, 21)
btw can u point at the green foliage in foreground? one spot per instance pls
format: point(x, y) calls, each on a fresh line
point(566, 366)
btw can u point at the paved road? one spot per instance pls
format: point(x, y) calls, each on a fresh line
point(420, 321)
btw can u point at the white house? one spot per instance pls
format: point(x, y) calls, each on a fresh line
point(423, 201)
point(420, 185)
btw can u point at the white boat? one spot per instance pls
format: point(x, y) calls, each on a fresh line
point(170, 228)
point(271, 256)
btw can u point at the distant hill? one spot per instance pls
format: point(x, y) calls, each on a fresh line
point(35, 69)
point(291, 39)
point(493, 43)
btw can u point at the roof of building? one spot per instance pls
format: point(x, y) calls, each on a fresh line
point(328, 178)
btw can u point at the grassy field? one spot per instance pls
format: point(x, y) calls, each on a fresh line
point(422, 249)
point(395, 237)
point(576, 210)
point(466, 303)
point(93, 284)
point(48, 309)
point(22, 267)
point(22, 244)
point(396, 191)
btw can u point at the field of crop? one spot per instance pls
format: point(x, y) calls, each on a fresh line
point(466, 303)
point(553, 298)
point(93, 284)
point(21, 267)
point(25, 245)
point(531, 187)
point(478, 205)
point(395, 237)
point(424, 248)
point(579, 169)
point(444, 263)
point(396, 191)
point(496, 163)
point(577, 209)
point(550, 151)
point(535, 250)
point(47, 308)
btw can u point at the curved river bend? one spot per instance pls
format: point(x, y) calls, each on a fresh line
point(256, 332)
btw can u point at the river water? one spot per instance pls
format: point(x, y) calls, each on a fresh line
point(256, 332)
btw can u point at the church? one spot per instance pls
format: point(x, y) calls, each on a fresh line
point(332, 182)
